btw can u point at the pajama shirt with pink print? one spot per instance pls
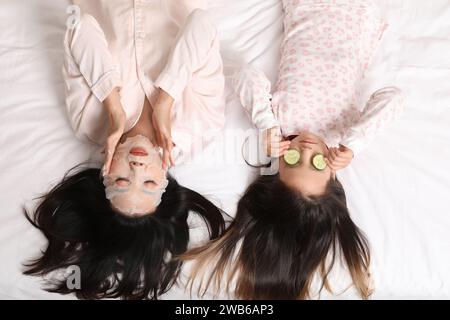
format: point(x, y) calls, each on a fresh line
point(327, 46)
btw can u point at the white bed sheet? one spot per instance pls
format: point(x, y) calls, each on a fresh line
point(398, 190)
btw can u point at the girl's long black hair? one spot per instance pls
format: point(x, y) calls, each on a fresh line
point(118, 256)
point(279, 241)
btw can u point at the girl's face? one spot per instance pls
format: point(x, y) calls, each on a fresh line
point(304, 177)
point(136, 181)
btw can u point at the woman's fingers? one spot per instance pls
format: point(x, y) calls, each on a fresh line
point(109, 152)
point(167, 146)
point(283, 152)
point(280, 145)
point(159, 139)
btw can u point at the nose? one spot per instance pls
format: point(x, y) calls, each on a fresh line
point(136, 164)
point(306, 152)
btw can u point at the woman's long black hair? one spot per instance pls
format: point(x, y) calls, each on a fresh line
point(279, 241)
point(118, 256)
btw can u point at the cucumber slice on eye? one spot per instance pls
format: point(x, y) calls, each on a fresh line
point(292, 157)
point(319, 162)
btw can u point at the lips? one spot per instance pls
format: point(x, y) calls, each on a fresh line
point(139, 152)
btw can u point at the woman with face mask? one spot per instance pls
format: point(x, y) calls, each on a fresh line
point(140, 77)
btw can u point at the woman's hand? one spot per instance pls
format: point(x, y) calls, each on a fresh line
point(161, 121)
point(116, 127)
point(273, 143)
point(339, 158)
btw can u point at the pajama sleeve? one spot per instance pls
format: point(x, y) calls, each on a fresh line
point(383, 107)
point(253, 89)
point(87, 53)
point(192, 49)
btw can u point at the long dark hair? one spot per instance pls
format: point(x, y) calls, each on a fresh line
point(279, 241)
point(118, 256)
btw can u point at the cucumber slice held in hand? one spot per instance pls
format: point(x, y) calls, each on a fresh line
point(292, 157)
point(319, 162)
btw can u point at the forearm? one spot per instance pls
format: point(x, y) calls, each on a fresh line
point(383, 107)
point(164, 100)
point(112, 102)
point(253, 89)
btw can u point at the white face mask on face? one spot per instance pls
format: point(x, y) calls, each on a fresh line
point(136, 181)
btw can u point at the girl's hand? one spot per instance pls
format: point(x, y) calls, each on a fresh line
point(116, 129)
point(161, 121)
point(339, 158)
point(273, 143)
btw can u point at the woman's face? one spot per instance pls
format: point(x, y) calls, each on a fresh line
point(304, 177)
point(136, 180)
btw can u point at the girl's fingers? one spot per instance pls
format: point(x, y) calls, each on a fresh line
point(278, 152)
point(335, 165)
point(279, 145)
point(285, 144)
point(167, 153)
point(338, 165)
point(106, 167)
point(283, 152)
point(341, 154)
point(348, 155)
point(337, 155)
point(329, 163)
point(338, 161)
point(332, 155)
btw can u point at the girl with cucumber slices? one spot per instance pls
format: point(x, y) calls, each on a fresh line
point(291, 228)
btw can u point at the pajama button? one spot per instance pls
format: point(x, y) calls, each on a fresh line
point(142, 35)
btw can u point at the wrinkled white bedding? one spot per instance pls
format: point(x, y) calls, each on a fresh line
point(398, 190)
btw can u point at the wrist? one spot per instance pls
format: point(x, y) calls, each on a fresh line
point(112, 102)
point(164, 100)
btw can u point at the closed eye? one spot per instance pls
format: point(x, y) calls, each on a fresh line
point(123, 182)
point(150, 183)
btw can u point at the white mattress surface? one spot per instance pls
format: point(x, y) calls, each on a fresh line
point(398, 190)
